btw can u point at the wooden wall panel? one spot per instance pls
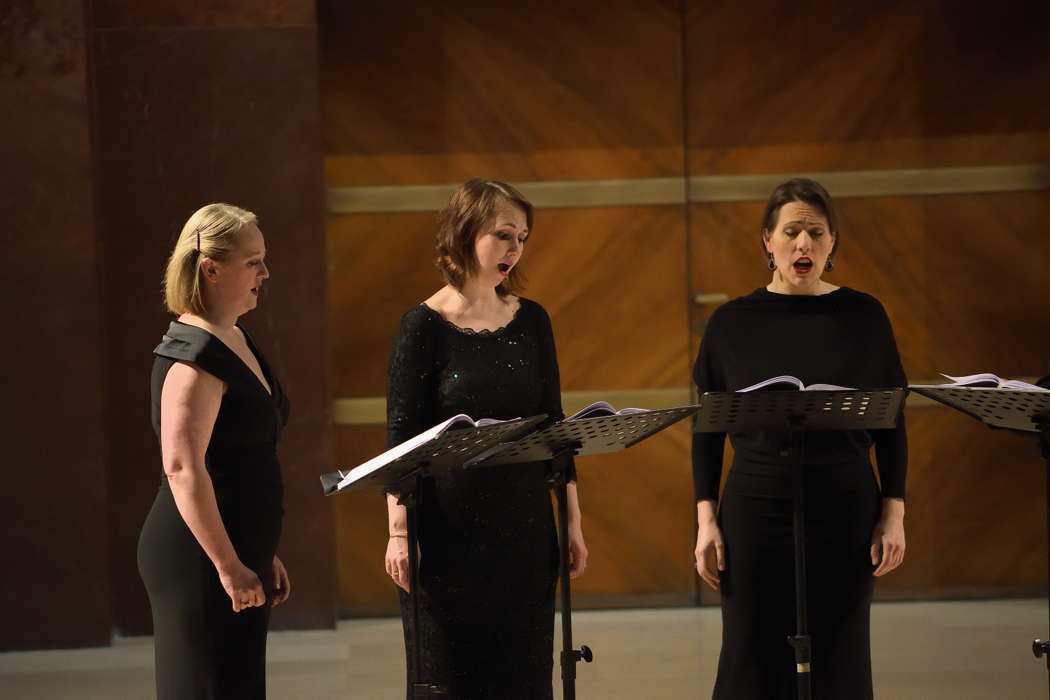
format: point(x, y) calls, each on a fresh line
point(422, 94)
point(186, 115)
point(780, 87)
point(441, 92)
point(961, 276)
point(54, 501)
point(976, 521)
point(364, 588)
point(613, 280)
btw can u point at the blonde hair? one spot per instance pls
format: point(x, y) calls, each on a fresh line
point(211, 232)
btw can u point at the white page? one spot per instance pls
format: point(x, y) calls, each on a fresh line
point(783, 379)
point(401, 450)
point(602, 408)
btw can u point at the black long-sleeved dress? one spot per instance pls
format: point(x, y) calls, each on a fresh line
point(203, 649)
point(841, 338)
point(487, 536)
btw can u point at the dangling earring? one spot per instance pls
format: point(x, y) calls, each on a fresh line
point(829, 266)
point(772, 264)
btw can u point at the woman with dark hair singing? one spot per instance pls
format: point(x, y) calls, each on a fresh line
point(488, 551)
point(803, 326)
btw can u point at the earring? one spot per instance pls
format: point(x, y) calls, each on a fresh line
point(772, 265)
point(829, 266)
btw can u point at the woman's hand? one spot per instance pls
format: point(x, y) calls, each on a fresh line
point(709, 546)
point(242, 585)
point(887, 539)
point(577, 552)
point(282, 585)
point(397, 561)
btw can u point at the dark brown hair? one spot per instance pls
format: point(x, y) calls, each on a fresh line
point(469, 209)
point(800, 189)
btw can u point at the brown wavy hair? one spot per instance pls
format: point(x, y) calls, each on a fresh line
point(469, 209)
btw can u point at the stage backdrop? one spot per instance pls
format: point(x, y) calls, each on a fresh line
point(649, 135)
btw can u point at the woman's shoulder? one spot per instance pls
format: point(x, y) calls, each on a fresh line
point(528, 306)
point(532, 312)
point(186, 343)
point(419, 322)
point(859, 300)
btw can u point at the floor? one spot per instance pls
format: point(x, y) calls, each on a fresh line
point(920, 651)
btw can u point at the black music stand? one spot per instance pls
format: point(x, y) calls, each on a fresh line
point(797, 412)
point(407, 476)
point(1019, 410)
point(554, 444)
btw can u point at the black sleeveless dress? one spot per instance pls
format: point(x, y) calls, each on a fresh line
point(487, 538)
point(204, 650)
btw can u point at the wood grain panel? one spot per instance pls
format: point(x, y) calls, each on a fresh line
point(961, 277)
point(441, 92)
point(109, 14)
point(638, 518)
point(612, 279)
point(56, 545)
point(976, 522)
point(614, 283)
point(811, 86)
point(364, 588)
point(379, 266)
point(253, 139)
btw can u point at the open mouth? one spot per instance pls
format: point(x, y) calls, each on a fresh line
point(255, 291)
point(803, 265)
point(504, 268)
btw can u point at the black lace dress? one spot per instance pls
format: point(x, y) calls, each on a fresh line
point(487, 537)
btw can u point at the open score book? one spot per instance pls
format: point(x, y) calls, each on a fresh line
point(788, 382)
point(986, 380)
point(460, 420)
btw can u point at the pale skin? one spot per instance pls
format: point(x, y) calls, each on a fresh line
point(498, 248)
point(802, 234)
point(189, 403)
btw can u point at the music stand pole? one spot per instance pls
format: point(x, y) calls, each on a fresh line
point(795, 413)
point(801, 642)
point(569, 655)
point(1019, 410)
point(1041, 647)
point(598, 434)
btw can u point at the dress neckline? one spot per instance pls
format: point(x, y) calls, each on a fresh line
point(269, 391)
point(470, 331)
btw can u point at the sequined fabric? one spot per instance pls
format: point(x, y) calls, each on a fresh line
point(487, 536)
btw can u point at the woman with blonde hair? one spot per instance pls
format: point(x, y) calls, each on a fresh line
point(207, 551)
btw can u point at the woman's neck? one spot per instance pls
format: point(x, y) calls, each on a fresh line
point(779, 286)
point(220, 324)
point(475, 295)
